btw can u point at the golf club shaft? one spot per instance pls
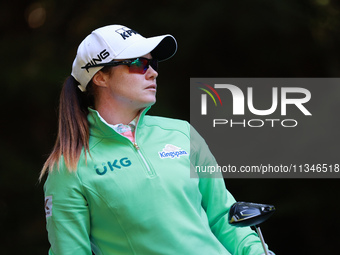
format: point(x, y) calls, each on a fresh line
point(258, 230)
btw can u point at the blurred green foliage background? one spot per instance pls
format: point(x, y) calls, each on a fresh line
point(264, 38)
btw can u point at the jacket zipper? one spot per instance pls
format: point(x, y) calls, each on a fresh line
point(150, 172)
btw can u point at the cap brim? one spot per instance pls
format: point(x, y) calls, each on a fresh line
point(161, 47)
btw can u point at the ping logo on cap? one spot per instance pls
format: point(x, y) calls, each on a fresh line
point(126, 32)
point(100, 57)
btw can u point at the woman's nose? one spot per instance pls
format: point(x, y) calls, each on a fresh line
point(151, 73)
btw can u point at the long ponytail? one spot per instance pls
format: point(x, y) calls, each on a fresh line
point(73, 130)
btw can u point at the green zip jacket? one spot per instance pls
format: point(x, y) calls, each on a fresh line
point(140, 198)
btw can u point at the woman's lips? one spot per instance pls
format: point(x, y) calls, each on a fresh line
point(152, 87)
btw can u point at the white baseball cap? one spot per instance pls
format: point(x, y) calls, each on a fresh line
point(117, 42)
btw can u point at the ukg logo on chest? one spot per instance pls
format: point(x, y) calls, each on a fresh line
point(112, 165)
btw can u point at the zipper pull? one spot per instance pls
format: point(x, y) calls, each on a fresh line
point(136, 145)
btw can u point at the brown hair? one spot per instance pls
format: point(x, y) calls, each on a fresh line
point(73, 129)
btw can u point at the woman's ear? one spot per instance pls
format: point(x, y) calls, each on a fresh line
point(100, 79)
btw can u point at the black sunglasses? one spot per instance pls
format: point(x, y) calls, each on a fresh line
point(137, 65)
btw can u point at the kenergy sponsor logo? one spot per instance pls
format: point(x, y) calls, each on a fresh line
point(238, 105)
point(171, 151)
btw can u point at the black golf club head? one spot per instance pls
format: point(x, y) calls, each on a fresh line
point(244, 214)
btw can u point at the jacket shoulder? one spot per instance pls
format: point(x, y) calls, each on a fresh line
point(167, 123)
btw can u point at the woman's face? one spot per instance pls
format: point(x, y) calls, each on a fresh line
point(132, 90)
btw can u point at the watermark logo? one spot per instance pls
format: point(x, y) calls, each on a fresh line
point(204, 97)
point(242, 103)
point(266, 127)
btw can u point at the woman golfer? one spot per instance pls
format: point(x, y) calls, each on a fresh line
point(119, 180)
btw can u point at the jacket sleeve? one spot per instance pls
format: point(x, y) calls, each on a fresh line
point(67, 213)
point(217, 200)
